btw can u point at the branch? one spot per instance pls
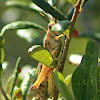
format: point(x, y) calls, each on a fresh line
point(3, 92)
point(67, 41)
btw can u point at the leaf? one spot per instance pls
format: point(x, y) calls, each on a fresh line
point(72, 1)
point(60, 83)
point(52, 2)
point(84, 77)
point(42, 55)
point(17, 93)
point(27, 6)
point(1, 40)
point(21, 25)
point(1, 73)
point(49, 9)
point(9, 83)
point(26, 82)
point(1, 54)
point(98, 84)
point(24, 5)
point(70, 13)
point(1, 49)
point(61, 26)
point(15, 74)
point(68, 79)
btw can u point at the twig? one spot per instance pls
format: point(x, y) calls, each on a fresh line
point(3, 92)
point(67, 41)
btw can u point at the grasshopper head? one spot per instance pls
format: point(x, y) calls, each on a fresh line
point(50, 25)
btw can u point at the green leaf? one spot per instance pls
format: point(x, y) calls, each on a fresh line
point(1, 73)
point(15, 75)
point(84, 77)
point(1, 40)
point(24, 5)
point(52, 2)
point(21, 25)
point(68, 79)
point(42, 55)
point(60, 83)
point(98, 83)
point(49, 9)
point(26, 82)
point(17, 93)
point(72, 1)
point(1, 55)
point(70, 13)
point(1, 49)
point(61, 26)
point(9, 82)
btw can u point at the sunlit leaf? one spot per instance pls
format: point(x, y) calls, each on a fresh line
point(52, 2)
point(84, 77)
point(49, 9)
point(15, 74)
point(26, 82)
point(68, 79)
point(25, 5)
point(61, 26)
point(9, 83)
point(1, 54)
point(72, 1)
point(42, 55)
point(60, 83)
point(17, 93)
point(21, 25)
point(1, 49)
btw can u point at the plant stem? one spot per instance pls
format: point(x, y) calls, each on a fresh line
point(3, 92)
point(67, 41)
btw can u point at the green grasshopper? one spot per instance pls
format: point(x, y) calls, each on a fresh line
point(45, 73)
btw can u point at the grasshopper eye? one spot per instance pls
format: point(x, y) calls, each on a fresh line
point(49, 26)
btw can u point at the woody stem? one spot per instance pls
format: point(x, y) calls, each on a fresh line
point(3, 92)
point(67, 41)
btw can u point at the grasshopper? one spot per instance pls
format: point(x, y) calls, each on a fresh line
point(45, 73)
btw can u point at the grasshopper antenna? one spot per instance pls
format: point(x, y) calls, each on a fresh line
point(45, 16)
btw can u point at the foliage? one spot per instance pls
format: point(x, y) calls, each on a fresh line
point(85, 80)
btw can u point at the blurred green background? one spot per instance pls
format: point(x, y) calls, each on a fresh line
point(17, 44)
